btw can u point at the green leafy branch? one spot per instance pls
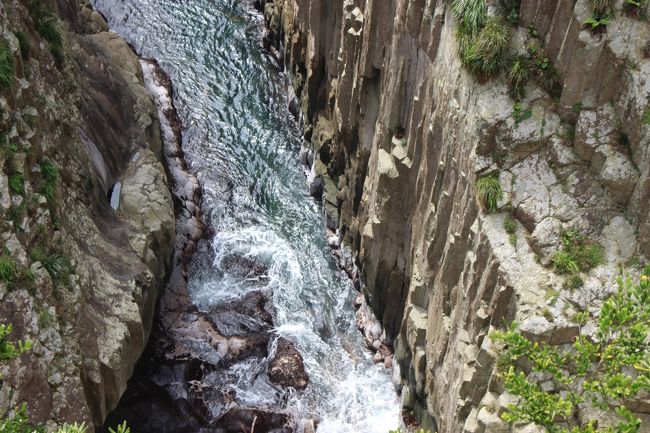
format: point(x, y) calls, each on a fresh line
point(603, 370)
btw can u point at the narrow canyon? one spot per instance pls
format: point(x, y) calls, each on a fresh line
point(328, 216)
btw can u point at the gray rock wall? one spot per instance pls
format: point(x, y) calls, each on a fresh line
point(439, 272)
point(93, 118)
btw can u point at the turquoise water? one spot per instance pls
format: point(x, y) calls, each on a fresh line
point(243, 145)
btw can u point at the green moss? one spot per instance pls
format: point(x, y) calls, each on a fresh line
point(489, 192)
point(6, 66)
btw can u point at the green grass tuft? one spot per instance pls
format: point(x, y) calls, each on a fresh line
point(578, 254)
point(485, 55)
point(25, 45)
point(6, 66)
point(472, 14)
point(489, 192)
point(8, 269)
point(17, 184)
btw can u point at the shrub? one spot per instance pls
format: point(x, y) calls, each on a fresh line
point(9, 350)
point(17, 184)
point(6, 66)
point(489, 192)
point(511, 10)
point(604, 371)
point(57, 52)
point(8, 269)
point(25, 45)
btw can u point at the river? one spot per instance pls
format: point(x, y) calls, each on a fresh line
point(242, 144)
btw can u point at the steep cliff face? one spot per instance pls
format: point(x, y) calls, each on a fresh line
point(399, 133)
point(87, 217)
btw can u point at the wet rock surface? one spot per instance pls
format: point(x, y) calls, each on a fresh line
point(287, 367)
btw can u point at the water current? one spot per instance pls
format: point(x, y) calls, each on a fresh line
point(243, 146)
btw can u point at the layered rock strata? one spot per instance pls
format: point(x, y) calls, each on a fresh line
point(398, 132)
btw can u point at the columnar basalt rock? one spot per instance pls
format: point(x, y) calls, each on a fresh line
point(399, 132)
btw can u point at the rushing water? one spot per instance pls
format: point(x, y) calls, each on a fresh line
point(242, 144)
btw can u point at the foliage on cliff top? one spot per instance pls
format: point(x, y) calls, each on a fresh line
point(602, 371)
point(6, 66)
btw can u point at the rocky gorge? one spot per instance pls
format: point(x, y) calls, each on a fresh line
point(183, 308)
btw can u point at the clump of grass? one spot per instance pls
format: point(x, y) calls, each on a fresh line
point(574, 282)
point(56, 264)
point(46, 26)
point(518, 76)
point(6, 66)
point(489, 192)
point(57, 53)
point(484, 55)
point(578, 254)
point(50, 174)
point(8, 269)
point(510, 226)
point(600, 6)
point(472, 14)
point(17, 184)
point(25, 45)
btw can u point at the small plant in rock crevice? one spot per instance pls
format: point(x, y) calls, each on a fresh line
point(598, 23)
point(510, 226)
point(24, 44)
point(578, 254)
point(6, 66)
point(17, 184)
point(489, 192)
point(485, 52)
point(8, 269)
point(645, 118)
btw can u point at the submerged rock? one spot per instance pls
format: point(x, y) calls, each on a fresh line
point(287, 367)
